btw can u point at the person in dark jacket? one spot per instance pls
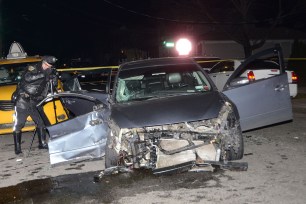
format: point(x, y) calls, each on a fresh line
point(32, 88)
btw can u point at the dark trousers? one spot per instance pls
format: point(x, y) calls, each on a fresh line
point(21, 116)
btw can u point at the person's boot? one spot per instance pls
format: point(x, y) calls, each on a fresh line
point(42, 144)
point(17, 142)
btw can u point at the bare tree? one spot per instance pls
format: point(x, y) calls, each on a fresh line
point(246, 39)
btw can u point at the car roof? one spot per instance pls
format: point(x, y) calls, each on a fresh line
point(156, 62)
point(21, 60)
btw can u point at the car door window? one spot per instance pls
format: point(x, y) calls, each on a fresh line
point(89, 79)
point(258, 68)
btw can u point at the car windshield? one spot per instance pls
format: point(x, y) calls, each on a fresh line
point(11, 73)
point(160, 81)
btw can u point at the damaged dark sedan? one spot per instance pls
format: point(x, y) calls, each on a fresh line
point(167, 115)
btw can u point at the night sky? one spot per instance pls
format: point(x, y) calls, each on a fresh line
point(95, 28)
point(70, 28)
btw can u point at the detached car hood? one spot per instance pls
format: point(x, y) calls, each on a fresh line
point(169, 110)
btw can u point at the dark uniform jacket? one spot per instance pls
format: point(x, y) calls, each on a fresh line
point(33, 86)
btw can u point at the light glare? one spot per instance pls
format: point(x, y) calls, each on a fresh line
point(183, 46)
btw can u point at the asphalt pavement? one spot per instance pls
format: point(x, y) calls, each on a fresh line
point(34, 165)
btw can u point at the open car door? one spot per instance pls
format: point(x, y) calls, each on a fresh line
point(83, 135)
point(260, 102)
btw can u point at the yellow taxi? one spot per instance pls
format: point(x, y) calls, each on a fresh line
point(11, 69)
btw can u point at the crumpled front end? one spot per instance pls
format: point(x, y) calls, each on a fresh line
point(176, 147)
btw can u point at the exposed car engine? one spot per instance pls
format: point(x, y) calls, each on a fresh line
point(178, 147)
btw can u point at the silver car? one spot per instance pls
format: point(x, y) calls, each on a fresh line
point(166, 115)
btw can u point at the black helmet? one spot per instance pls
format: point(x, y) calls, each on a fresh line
point(49, 59)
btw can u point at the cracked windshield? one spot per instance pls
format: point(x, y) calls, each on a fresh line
point(161, 81)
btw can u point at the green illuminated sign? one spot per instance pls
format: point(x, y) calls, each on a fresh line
point(168, 44)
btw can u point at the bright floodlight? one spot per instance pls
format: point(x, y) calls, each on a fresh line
point(183, 46)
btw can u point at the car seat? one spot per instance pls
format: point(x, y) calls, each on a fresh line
point(174, 79)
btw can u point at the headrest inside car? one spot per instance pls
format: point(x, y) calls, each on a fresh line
point(174, 78)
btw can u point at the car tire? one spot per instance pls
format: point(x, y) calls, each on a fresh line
point(232, 145)
point(236, 152)
point(111, 156)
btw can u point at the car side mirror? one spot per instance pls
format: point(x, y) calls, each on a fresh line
point(239, 81)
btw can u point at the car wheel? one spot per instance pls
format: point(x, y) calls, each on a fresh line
point(236, 151)
point(232, 146)
point(111, 156)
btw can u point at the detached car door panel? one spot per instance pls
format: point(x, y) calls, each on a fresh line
point(83, 135)
point(77, 139)
point(261, 102)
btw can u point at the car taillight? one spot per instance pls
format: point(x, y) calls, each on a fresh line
point(251, 76)
point(294, 77)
